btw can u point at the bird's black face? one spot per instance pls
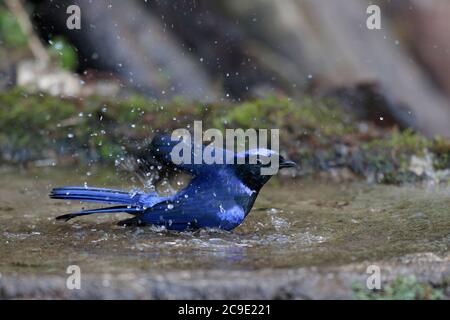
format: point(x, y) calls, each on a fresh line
point(255, 175)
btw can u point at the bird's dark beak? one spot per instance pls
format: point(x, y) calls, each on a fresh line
point(287, 164)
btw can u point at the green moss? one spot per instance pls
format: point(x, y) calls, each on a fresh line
point(62, 52)
point(10, 32)
point(312, 133)
point(26, 120)
point(274, 112)
point(402, 288)
point(399, 146)
point(403, 141)
point(441, 148)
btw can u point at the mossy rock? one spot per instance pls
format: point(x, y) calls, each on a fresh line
point(312, 132)
point(401, 288)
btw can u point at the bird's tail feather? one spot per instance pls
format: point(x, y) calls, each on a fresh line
point(127, 209)
point(125, 201)
point(95, 195)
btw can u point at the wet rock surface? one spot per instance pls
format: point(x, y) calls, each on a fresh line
point(303, 240)
point(303, 283)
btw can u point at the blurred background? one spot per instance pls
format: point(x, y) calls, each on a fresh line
point(236, 50)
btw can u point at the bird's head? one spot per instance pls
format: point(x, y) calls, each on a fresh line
point(255, 167)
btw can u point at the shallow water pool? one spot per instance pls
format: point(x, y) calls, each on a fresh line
point(294, 223)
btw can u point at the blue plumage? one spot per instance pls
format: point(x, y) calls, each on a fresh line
point(218, 196)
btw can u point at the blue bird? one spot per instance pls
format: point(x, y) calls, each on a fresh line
point(218, 195)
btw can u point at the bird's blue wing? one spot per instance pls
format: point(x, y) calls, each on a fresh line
point(162, 148)
point(199, 206)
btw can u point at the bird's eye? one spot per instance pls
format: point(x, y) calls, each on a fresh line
point(259, 162)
